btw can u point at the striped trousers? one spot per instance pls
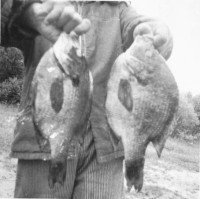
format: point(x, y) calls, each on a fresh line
point(85, 177)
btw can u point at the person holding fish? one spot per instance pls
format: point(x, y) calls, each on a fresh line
point(94, 168)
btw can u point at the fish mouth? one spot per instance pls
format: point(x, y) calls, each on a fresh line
point(134, 174)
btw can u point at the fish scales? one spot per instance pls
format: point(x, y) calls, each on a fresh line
point(142, 99)
point(61, 94)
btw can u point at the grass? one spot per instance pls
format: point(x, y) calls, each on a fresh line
point(7, 124)
point(7, 165)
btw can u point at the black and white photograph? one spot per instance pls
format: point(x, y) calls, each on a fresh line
point(100, 99)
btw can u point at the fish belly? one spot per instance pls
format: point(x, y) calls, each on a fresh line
point(61, 93)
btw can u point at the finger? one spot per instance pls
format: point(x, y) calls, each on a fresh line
point(159, 40)
point(67, 14)
point(76, 20)
point(83, 27)
point(50, 32)
point(160, 35)
point(142, 29)
point(166, 49)
point(53, 16)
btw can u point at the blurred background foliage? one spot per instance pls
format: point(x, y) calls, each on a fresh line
point(11, 75)
point(187, 120)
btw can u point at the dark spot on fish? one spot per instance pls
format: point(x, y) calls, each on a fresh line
point(57, 94)
point(125, 94)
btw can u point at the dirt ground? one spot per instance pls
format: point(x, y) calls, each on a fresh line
point(174, 176)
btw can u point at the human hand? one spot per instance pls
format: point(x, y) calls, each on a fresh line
point(163, 41)
point(53, 17)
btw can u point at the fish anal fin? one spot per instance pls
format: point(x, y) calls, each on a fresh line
point(160, 140)
point(159, 143)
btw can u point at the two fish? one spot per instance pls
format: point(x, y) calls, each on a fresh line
point(142, 98)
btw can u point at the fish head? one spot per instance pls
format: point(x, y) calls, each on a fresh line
point(69, 57)
point(143, 48)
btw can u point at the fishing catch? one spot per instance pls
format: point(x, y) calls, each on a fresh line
point(61, 100)
point(142, 99)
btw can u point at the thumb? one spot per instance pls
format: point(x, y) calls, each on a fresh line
point(83, 27)
point(159, 40)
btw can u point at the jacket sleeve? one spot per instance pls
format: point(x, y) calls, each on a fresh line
point(129, 19)
point(14, 31)
point(5, 13)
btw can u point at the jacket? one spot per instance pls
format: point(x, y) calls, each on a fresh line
point(111, 33)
